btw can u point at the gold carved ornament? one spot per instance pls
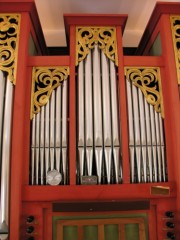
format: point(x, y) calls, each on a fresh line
point(88, 37)
point(175, 27)
point(149, 81)
point(44, 81)
point(9, 40)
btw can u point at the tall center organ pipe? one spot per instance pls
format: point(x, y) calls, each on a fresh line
point(98, 118)
point(6, 100)
point(49, 138)
point(146, 139)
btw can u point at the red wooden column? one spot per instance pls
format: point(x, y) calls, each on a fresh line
point(159, 23)
point(123, 109)
point(29, 25)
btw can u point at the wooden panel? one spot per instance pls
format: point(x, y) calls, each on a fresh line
point(121, 222)
point(100, 206)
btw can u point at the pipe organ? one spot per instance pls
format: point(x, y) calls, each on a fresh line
point(89, 142)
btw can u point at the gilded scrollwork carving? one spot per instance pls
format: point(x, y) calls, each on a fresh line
point(149, 81)
point(175, 26)
point(104, 37)
point(9, 39)
point(44, 81)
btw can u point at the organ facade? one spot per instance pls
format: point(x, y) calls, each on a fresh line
point(89, 142)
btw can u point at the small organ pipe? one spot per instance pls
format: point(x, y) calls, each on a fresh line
point(42, 165)
point(2, 92)
point(114, 105)
point(97, 98)
point(148, 139)
point(81, 118)
point(58, 127)
point(52, 130)
point(115, 121)
point(153, 143)
point(37, 149)
point(130, 114)
point(33, 150)
point(47, 129)
point(158, 146)
point(106, 101)
point(88, 114)
point(64, 114)
point(106, 115)
point(42, 145)
point(58, 117)
point(143, 134)
point(162, 148)
point(80, 105)
point(137, 132)
point(131, 127)
point(88, 102)
point(52, 115)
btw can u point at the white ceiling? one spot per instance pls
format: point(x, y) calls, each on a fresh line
point(51, 16)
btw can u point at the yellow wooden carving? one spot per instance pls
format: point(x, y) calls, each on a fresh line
point(104, 37)
point(44, 81)
point(149, 81)
point(9, 40)
point(175, 26)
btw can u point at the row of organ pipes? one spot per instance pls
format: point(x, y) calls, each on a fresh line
point(98, 119)
point(98, 130)
point(146, 139)
point(49, 138)
point(6, 102)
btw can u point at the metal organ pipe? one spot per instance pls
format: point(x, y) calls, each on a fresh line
point(42, 146)
point(131, 130)
point(58, 126)
point(106, 115)
point(47, 130)
point(81, 116)
point(52, 130)
point(115, 123)
point(64, 129)
point(146, 141)
point(2, 89)
point(98, 134)
point(88, 114)
point(37, 150)
point(6, 119)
